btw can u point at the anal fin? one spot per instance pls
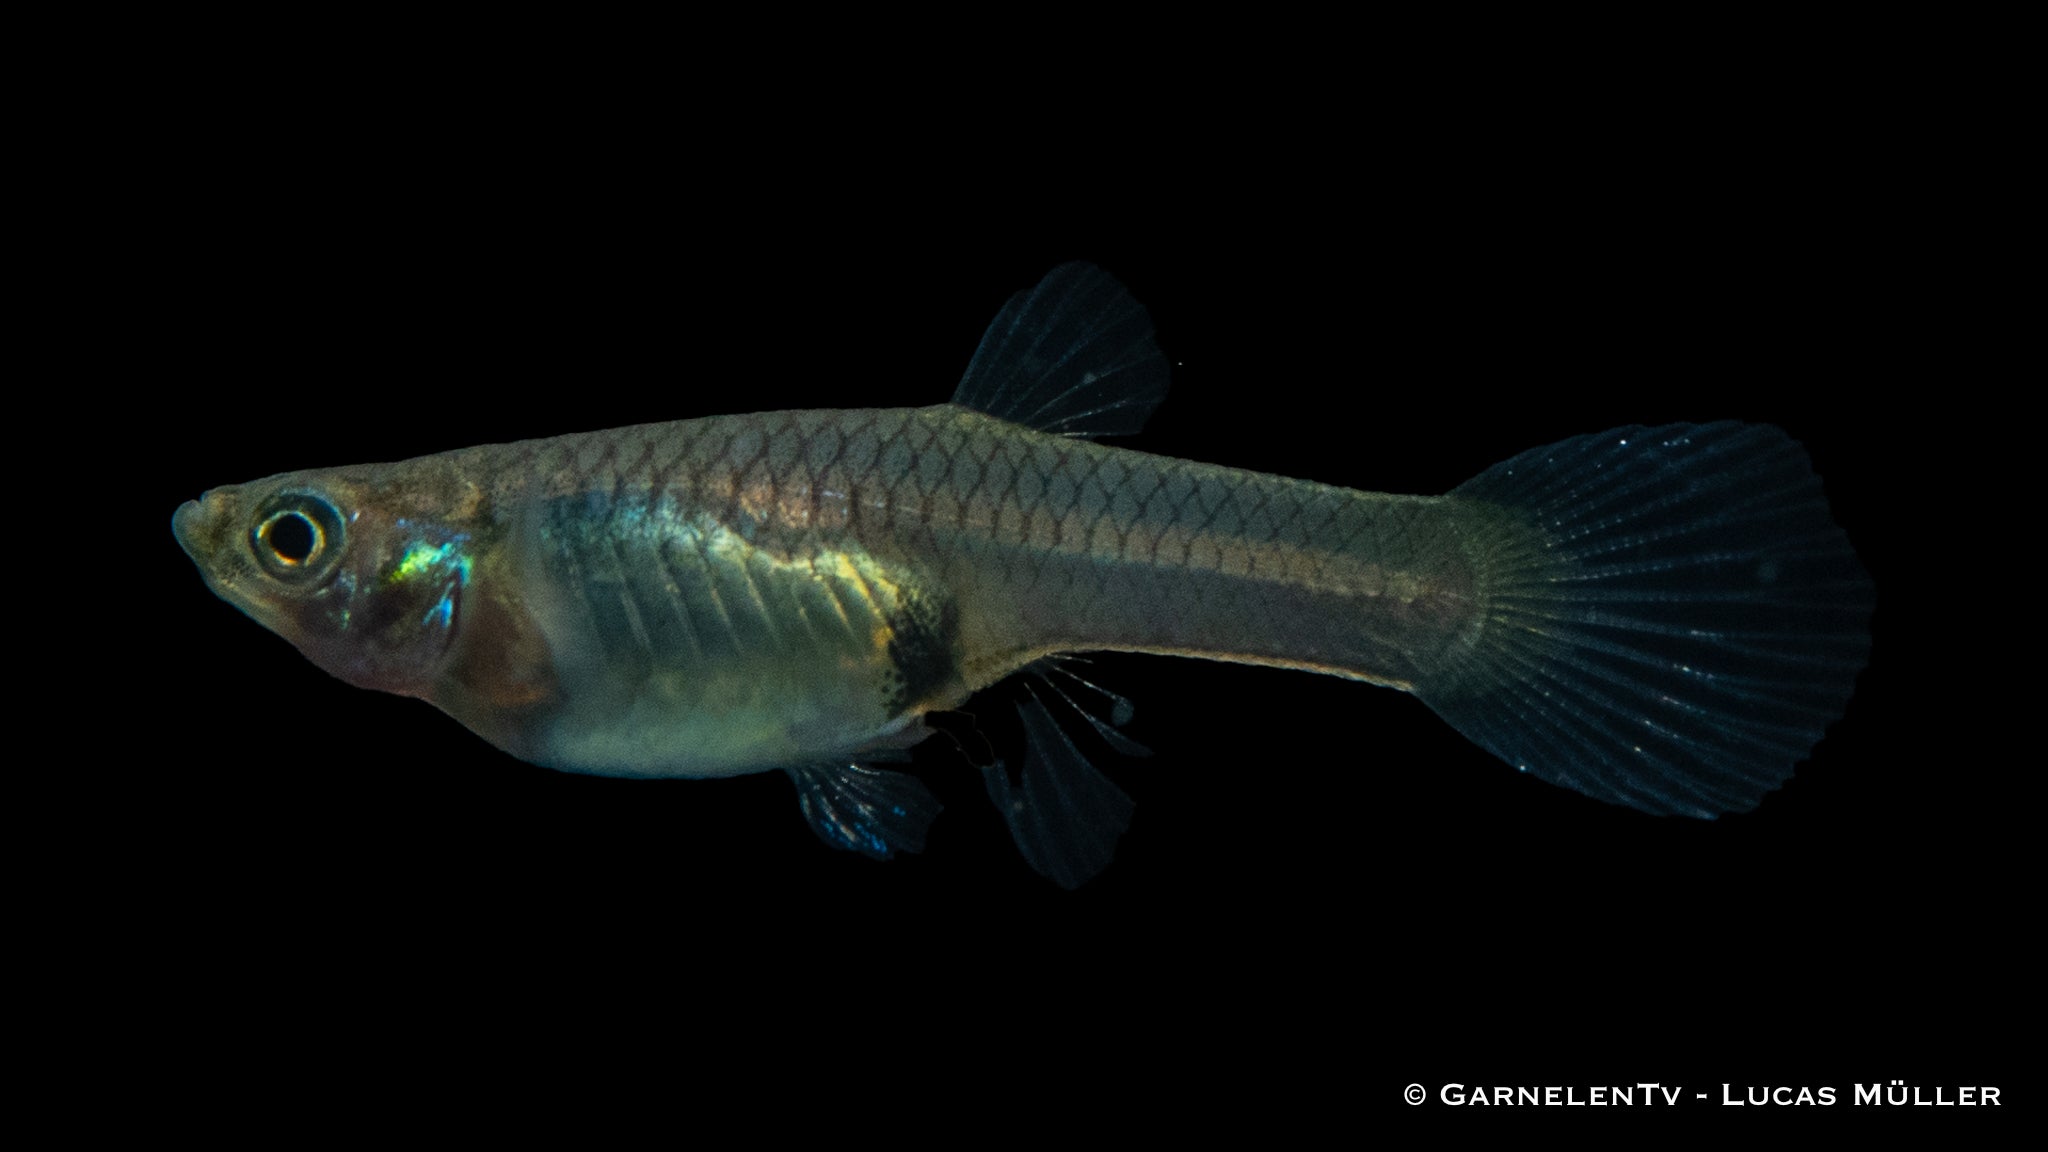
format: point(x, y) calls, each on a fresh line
point(1064, 814)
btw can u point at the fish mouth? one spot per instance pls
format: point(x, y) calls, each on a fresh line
point(185, 526)
point(197, 525)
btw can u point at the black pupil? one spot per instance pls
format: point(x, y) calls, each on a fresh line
point(291, 537)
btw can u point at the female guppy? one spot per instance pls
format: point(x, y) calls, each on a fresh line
point(1665, 618)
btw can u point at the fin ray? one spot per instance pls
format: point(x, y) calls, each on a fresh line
point(1121, 709)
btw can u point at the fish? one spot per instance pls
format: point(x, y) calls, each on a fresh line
point(1666, 618)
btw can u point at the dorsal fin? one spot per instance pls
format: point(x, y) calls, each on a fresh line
point(1073, 356)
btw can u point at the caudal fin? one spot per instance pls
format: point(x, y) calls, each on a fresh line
point(1676, 632)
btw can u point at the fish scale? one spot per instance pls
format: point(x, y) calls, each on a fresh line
point(1665, 618)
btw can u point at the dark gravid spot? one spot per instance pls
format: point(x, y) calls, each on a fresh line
point(924, 652)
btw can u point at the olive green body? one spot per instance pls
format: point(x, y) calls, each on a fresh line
point(740, 593)
point(1665, 618)
point(733, 594)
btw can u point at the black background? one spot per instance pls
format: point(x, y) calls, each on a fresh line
point(1326, 893)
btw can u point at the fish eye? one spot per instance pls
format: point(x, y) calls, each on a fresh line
point(297, 536)
point(292, 538)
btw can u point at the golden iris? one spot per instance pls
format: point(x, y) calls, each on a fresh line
point(297, 536)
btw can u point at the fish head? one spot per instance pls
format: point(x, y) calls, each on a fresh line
point(363, 572)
